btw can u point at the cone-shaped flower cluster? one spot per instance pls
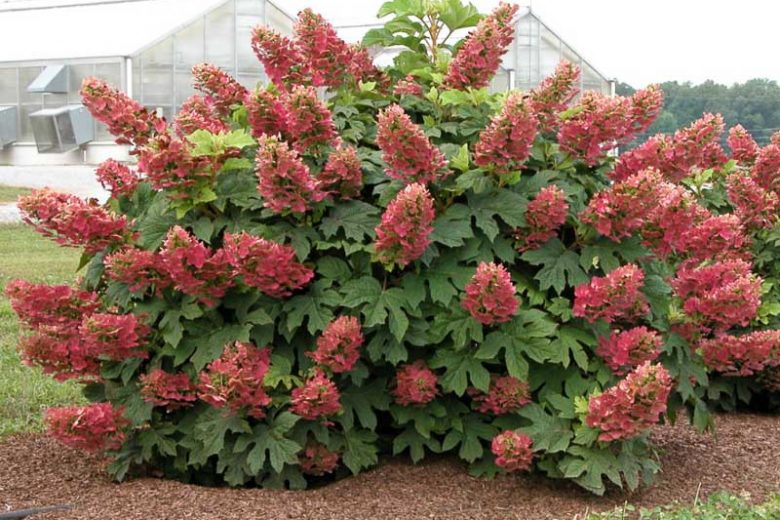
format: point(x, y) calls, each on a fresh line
point(198, 113)
point(490, 295)
point(766, 170)
point(59, 354)
point(117, 178)
point(235, 380)
point(554, 94)
point(506, 395)
point(506, 143)
point(613, 297)
point(325, 54)
point(545, 214)
point(285, 181)
point(756, 207)
point(338, 349)
point(168, 163)
point(309, 121)
point(478, 59)
point(408, 87)
point(409, 155)
point(402, 236)
point(513, 451)
point(415, 384)
point(633, 405)
point(92, 428)
point(138, 268)
point(318, 397)
point(266, 113)
point(316, 459)
point(72, 221)
point(342, 176)
point(742, 355)
point(170, 391)
point(281, 59)
point(222, 89)
point(266, 265)
point(717, 236)
point(114, 336)
point(744, 148)
point(626, 350)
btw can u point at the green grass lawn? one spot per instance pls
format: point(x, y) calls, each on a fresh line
point(11, 193)
point(719, 506)
point(25, 392)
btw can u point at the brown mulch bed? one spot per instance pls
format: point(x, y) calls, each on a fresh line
point(744, 456)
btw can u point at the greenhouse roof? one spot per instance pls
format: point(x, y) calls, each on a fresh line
point(46, 30)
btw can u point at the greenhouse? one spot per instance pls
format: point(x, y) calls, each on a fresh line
point(150, 55)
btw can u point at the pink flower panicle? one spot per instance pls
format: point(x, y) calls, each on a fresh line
point(479, 58)
point(59, 353)
point(168, 163)
point(506, 143)
point(513, 451)
point(626, 350)
point(613, 297)
point(545, 214)
point(199, 113)
point(222, 89)
point(316, 459)
point(170, 391)
point(361, 67)
point(281, 58)
point(409, 155)
point(744, 355)
point(72, 221)
point(235, 380)
point(53, 306)
point(766, 170)
point(266, 114)
point(92, 428)
point(285, 183)
point(505, 395)
point(126, 119)
point(325, 54)
point(415, 384)
point(193, 268)
point(408, 87)
point(403, 234)
point(744, 148)
point(309, 122)
point(114, 336)
point(633, 405)
point(318, 397)
point(117, 178)
point(342, 176)
point(756, 207)
point(138, 268)
point(490, 295)
point(717, 236)
point(338, 349)
point(265, 265)
point(722, 294)
point(554, 94)
point(676, 213)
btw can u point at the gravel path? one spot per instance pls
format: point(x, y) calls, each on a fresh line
point(744, 456)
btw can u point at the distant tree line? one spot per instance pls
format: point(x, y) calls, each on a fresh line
point(754, 104)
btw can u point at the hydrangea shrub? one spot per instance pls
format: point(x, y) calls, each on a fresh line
point(286, 285)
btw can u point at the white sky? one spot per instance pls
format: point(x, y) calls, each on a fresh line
point(639, 42)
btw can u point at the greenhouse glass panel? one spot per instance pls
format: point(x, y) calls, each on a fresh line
point(8, 83)
point(220, 38)
point(29, 102)
point(157, 75)
point(189, 47)
point(76, 75)
point(249, 14)
point(111, 72)
point(278, 20)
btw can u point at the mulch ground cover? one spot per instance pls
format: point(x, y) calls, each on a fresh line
point(743, 456)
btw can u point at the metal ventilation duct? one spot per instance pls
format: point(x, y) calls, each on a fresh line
point(52, 80)
point(62, 129)
point(7, 126)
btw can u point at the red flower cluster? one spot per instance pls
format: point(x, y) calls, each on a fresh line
point(613, 297)
point(543, 216)
point(506, 142)
point(92, 428)
point(717, 236)
point(756, 207)
point(317, 460)
point(138, 268)
point(342, 176)
point(266, 113)
point(667, 225)
point(318, 397)
point(742, 355)
point(633, 405)
point(114, 336)
point(408, 87)
point(117, 178)
point(602, 122)
point(193, 268)
point(171, 391)
point(415, 384)
point(266, 265)
point(52, 306)
point(490, 295)
point(198, 113)
point(554, 94)
point(309, 122)
point(626, 350)
point(222, 89)
point(285, 181)
point(743, 148)
point(513, 450)
point(766, 170)
point(505, 395)
point(126, 119)
point(59, 353)
point(723, 293)
point(235, 380)
point(478, 59)
point(168, 163)
point(324, 53)
point(339, 346)
point(281, 58)
point(409, 155)
point(402, 236)
point(72, 221)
